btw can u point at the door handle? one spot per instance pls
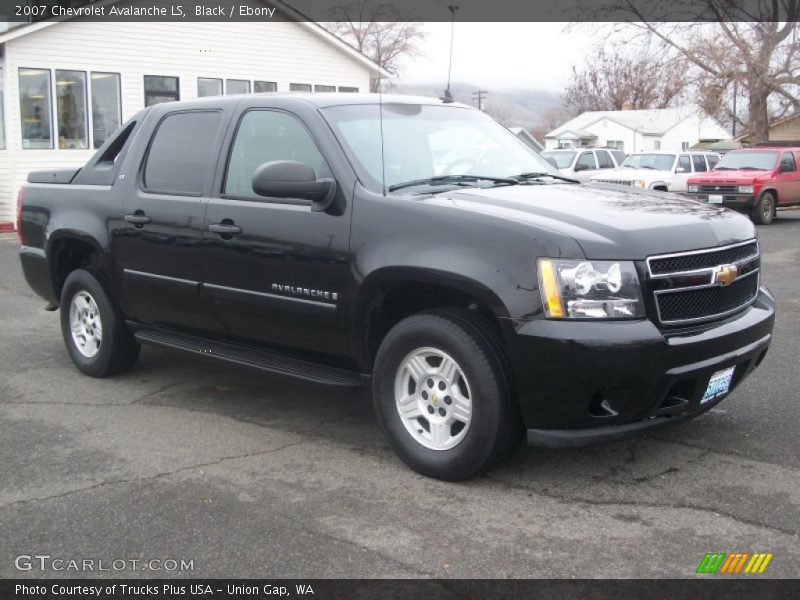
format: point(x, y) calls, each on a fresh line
point(138, 218)
point(225, 229)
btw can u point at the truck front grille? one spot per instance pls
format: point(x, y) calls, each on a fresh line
point(710, 188)
point(691, 287)
point(614, 181)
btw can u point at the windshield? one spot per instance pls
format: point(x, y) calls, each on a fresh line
point(562, 159)
point(763, 161)
point(424, 141)
point(659, 162)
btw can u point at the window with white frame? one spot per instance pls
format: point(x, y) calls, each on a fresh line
point(347, 89)
point(299, 87)
point(208, 86)
point(158, 89)
point(2, 112)
point(106, 106)
point(265, 86)
point(35, 107)
point(657, 145)
point(71, 113)
point(324, 88)
point(684, 145)
point(237, 86)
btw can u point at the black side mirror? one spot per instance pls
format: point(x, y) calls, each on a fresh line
point(292, 179)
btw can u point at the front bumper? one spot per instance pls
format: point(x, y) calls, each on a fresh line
point(735, 201)
point(580, 383)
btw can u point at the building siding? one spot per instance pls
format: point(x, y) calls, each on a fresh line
point(282, 52)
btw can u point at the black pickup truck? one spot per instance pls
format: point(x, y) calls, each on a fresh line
point(408, 244)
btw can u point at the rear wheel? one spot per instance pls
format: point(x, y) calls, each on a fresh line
point(442, 394)
point(93, 329)
point(764, 210)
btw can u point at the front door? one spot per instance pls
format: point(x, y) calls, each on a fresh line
point(787, 181)
point(275, 270)
point(158, 246)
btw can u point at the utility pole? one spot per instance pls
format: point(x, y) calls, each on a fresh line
point(735, 81)
point(479, 96)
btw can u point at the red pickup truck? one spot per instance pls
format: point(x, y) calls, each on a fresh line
point(753, 180)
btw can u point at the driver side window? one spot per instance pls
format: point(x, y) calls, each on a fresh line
point(264, 136)
point(787, 163)
point(586, 160)
point(684, 163)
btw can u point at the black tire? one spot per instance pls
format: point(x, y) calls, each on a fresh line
point(117, 350)
point(764, 210)
point(495, 426)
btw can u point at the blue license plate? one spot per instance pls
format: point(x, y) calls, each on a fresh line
point(718, 385)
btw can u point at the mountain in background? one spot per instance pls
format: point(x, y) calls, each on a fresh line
point(534, 109)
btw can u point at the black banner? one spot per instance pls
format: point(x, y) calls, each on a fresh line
point(400, 10)
point(711, 587)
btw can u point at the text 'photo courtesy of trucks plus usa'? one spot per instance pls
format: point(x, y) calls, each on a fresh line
point(353, 299)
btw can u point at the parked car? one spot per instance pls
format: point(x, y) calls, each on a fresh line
point(271, 232)
point(660, 171)
point(581, 163)
point(755, 181)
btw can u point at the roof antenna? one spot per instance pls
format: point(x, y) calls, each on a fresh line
point(447, 98)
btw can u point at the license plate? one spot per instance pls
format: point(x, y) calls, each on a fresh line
point(715, 199)
point(718, 385)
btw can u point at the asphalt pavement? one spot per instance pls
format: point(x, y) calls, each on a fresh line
point(247, 476)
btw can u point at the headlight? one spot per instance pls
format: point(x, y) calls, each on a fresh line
point(694, 188)
point(745, 189)
point(582, 289)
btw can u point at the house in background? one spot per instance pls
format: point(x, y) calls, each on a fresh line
point(672, 129)
point(66, 86)
point(526, 137)
point(786, 129)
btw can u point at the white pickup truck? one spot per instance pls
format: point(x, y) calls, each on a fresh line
point(659, 170)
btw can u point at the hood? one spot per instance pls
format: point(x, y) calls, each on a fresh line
point(609, 222)
point(748, 176)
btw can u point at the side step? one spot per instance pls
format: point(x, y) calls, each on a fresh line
point(251, 358)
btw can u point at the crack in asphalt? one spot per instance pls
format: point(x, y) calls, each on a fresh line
point(640, 503)
point(159, 475)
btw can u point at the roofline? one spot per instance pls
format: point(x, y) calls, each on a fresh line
point(297, 17)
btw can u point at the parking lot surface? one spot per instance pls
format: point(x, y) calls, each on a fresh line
point(249, 476)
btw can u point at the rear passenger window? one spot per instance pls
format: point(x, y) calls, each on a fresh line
point(264, 136)
point(604, 160)
point(699, 163)
point(180, 153)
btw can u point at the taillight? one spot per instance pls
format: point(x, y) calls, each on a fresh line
point(20, 198)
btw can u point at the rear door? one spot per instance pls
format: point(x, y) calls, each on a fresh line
point(279, 276)
point(158, 247)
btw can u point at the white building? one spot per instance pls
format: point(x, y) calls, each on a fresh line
point(67, 85)
point(631, 131)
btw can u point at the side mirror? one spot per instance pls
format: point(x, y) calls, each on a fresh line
point(681, 170)
point(581, 168)
point(292, 179)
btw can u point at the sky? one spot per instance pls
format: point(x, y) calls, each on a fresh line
point(500, 55)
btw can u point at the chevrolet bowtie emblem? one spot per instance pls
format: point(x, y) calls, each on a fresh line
point(725, 274)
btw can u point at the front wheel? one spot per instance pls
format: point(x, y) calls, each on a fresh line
point(442, 394)
point(764, 210)
point(93, 330)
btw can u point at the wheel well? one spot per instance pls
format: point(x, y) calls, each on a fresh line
point(67, 255)
point(660, 188)
point(390, 303)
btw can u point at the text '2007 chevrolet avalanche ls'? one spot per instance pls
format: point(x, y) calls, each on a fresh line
point(410, 244)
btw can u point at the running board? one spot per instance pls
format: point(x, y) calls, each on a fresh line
point(252, 358)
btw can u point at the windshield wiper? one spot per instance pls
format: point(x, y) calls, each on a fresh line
point(538, 174)
point(456, 179)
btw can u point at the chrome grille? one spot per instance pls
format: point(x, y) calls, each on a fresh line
point(684, 284)
point(711, 188)
point(615, 181)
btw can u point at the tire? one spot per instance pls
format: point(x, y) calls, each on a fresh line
point(100, 346)
point(479, 386)
point(764, 210)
